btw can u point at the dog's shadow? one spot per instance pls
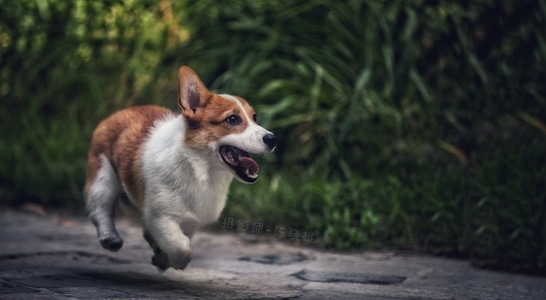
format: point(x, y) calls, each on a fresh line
point(144, 284)
point(125, 279)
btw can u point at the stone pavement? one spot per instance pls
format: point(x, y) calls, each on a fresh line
point(51, 257)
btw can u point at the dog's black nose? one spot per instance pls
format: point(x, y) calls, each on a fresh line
point(270, 140)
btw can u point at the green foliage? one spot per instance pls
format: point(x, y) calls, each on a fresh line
point(408, 124)
point(391, 115)
point(66, 65)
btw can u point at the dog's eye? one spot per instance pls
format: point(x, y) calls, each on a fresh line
point(233, 120)
point(254, 117)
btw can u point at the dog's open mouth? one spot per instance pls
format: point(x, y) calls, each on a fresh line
point(241, 162)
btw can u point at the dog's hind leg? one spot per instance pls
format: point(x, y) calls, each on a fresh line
point(103, 189)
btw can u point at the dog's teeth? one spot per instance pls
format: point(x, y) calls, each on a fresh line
point(230, 156)
point(247, 173)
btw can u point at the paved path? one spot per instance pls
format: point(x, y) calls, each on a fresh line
point(48, 257)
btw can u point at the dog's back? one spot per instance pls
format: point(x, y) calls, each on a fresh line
point(127, 130)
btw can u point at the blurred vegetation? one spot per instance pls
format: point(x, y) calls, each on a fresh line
point(403, 124)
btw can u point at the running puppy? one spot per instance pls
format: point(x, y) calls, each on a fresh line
point(174, 169)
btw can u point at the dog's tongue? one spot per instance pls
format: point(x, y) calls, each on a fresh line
point(249, 164)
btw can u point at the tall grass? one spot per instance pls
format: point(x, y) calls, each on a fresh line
point(66, 65)
point(405, 124)
point(400, 122)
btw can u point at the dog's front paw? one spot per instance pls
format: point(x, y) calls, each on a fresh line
point(161, 261)
point(180, 263)
point(181, 259)
point(177, 261)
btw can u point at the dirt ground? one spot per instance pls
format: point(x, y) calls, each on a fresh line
point(45, 256)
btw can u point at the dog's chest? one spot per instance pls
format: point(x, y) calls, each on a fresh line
point(206, 199)
point(181, 189)
point(179, 179)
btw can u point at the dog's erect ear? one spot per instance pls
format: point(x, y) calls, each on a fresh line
point(192, 93)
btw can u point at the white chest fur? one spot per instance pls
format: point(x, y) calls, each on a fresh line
point(180, 180)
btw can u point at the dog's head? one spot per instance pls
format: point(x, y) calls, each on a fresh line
point(224, 124)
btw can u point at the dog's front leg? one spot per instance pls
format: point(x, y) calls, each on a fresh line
point(169, 235)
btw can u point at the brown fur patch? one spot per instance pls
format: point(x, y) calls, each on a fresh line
point(248, 109)
point(210, 124)
point(120, 138)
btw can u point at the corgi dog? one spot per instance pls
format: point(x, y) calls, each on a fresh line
point(173, 169)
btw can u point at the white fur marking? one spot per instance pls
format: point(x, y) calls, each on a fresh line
point(238, 102)
point(105, 187)
point(251, 139)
